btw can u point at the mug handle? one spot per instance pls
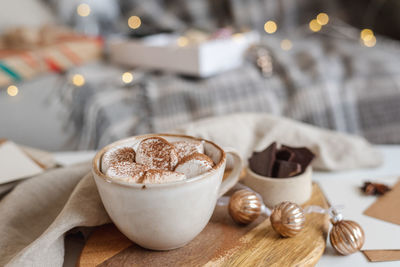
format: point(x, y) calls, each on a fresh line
point(232, 158)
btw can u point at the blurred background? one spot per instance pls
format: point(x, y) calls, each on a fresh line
point(77, 75)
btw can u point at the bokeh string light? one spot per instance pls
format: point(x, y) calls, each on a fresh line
point(182, 41)
point(322, 19)
point(367, 38)
point(127, 77)
point(286, 44)
point(134, 22)
point(366, 34)
point(12, 90)
point(371, 42)
point(314, 25)
point(83, 10)
point(78, 80)
point(270, 26)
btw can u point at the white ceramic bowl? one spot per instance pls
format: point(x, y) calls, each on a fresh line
point(295, 189)
point(166, 216)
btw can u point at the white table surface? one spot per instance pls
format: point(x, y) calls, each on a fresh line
point(390, 168)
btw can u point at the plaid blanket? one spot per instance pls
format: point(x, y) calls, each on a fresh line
point(330, 81)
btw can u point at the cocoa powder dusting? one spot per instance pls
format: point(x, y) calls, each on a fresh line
point(132, 171)
point(184, 148)
point(157, 153)
point(198, 157)
point(123, 154)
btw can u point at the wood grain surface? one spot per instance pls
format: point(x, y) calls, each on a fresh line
point(221, 243)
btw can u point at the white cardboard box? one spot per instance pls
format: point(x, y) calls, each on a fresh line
point(161, 52)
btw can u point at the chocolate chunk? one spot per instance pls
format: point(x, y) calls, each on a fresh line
point(263, 162)
point(285, 154)
point(282, 163)
point(285, 169)
point(302, 155)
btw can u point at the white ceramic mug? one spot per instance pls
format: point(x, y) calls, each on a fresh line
point(295, 189)
point(166, 216)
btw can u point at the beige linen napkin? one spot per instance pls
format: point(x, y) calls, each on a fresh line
point(35, 216)
point(247, 132)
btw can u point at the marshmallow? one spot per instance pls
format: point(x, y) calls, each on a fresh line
point(126, 171)
point(194, 165)
point(117, 155)
point(157, 153)
point(162, 176)
point(187, 148)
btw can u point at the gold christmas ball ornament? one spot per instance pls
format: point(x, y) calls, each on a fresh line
point(287, 219)
point(346, 236)
point(244, 206)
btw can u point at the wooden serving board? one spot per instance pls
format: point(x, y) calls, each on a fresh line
point(221, 243)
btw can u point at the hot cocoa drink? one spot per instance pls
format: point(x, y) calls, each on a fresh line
point(160, 190)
